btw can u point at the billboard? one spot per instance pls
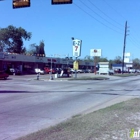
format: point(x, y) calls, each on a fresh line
point(77, 47)
point(21, 3)
point(126, 60)
point(127, 54)
point(61, 1)
point(95, 52)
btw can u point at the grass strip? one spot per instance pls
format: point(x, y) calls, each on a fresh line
point(113, 122)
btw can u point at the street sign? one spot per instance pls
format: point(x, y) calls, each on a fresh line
point(75, 65)
point(77, 47)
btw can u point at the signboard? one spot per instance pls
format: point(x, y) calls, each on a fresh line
point(127, 54)
point(21, 3)
point(77, 47)
point(61, 1)
point(126, 60)
point(75, 65)
point(95, 52)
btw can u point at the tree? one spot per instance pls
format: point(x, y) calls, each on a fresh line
point(118, 60)
point(41, 48)
point(37, 49)
point(136, 63)
point(11, 39)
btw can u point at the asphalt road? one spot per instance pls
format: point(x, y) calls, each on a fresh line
point(28, 105)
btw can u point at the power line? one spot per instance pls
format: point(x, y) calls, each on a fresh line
point(131, 37)
point(113, 9)
point(96, 19)
point(98, 14)
point(105, 14)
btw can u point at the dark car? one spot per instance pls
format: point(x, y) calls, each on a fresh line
point(111, 72)
point(3, 75)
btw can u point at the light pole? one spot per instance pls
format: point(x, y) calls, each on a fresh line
point(51, 76)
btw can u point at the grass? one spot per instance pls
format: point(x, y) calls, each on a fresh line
point(110, 123)
point(126, 74)
point(90, 78)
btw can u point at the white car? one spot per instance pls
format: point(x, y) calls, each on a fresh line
point(37, 70)
point(78, 71)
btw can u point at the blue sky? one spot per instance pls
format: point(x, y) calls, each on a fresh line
point(98, 23)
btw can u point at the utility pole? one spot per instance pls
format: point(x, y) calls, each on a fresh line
point(125, 34)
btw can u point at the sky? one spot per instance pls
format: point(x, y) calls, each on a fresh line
point(100, 24)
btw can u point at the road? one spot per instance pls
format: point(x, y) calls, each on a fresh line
point(28, 105)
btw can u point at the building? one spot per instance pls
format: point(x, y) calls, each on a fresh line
point(26, 63)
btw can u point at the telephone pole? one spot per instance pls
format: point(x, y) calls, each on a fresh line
point(125, 34)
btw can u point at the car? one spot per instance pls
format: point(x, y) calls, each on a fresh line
point(111, 72)
point(3, 75)
point(132, 70)
point(78, 71)
point(37, 70)
point(49, 70)
point(14, 71)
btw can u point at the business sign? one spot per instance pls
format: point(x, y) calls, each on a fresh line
point(61, 1)
point(75, 65)
point(21, 3)
point(127, 54)
point(95, 52)
point(126, 60)
point(77, 47)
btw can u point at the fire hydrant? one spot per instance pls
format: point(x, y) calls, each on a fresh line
point(38, 76)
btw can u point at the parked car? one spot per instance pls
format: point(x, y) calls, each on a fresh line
point(58, 70)
point(37, 70)
point(48, 70)
point(3, 75)
point(87, 70)
point(117, 71)
point(111, 72)
point(132, 70)
point(14, 71)
point(78, 71)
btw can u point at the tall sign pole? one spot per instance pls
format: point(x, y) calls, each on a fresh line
point(125, 34)
point(95, 53)
point(76, 53)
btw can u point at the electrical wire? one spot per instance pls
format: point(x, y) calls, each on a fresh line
point(96, 19)
point(98, 15)
point(105, 14)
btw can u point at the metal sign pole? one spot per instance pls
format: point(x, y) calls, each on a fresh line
point(75, 69)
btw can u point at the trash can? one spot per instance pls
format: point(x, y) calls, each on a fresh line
point(56, 75)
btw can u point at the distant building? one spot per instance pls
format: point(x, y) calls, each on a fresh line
point(127, 66)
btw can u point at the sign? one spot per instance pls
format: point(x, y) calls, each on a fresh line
point(95, 52)
point(61, 1)
point(21, 3)
point(75, 65)
point(129, 65)
point(127, 54)
point(126, 60)
point(77, 47)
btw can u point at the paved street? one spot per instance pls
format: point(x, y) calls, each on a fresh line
point(28, 105)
